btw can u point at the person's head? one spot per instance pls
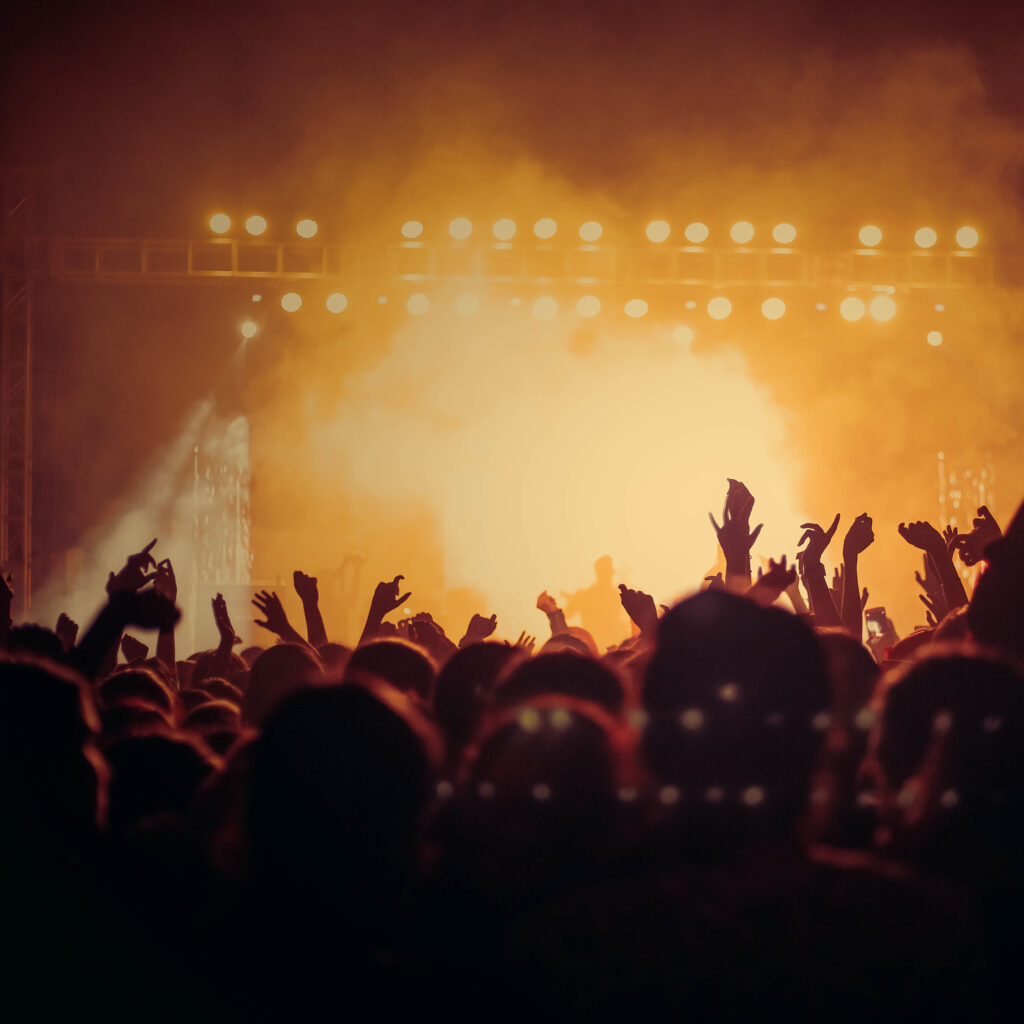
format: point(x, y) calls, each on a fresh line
point(221, 689)
point(404, 665)
point(736, 697)
point(135, 683)
point(276, 674)
point(36, 641)
point(564, 673)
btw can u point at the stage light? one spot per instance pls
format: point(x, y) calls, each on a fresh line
point(306, 228)
point(773, 308)
point(591, 231)
point(588, 306)
point(682, 335)
point(882, 308)
point(934, 338)
point(257, 298)
point(249, 329)
point(784, 234)
point(256, 225)
point(545, 228)
point(337, 302)
point(504, 230)
point(690, 304)
point(467, 305)
point(925, 238)
point(939, 307)
point(412, 229)
point(219, 223)
point(460, 229)
point(741, 232)
point(870, 235)
point(635, 308)
point(696, 232)
point(719, 307)
point(417, 304)
point(291, 302)
point(851, 308)
point(820, 307)
point(658, 230)
point(545, 308)
point(966, 238)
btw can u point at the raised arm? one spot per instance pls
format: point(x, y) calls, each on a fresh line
point(309, 595)
point(385, 599)
point(556, 617)
point(859, 537)
point(735, 536)
point(812, 572)
point(924, 536)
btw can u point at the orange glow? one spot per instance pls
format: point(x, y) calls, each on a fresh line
point(291, 302)
point(545, 308)
point(870, 235)
point(337, 303)
point(412, 229)
point(773, 309)
point(851, 308)
point(545, 228)
point(696, 233)
point(591, 231)
point(636, 308)
point(741, 232)
point(306, 228)
point(256, 225)
point(882, 308)
point(220, 223)
point(719, 307)
point(418, 304)
point(658, 230)
point(460, 229)
point(504, 230)
point(588, 306)
point(966, 238)
point(925, 238)
point(784, 234)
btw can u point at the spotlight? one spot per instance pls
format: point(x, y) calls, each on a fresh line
point(504, 230)
point(784, 234)
point(545, 228)
point(939, 307)
point(412, 229)
point(772, 309)
point(934, 338)
point(460, 229)
point(682, 335)
point(966, 238)
point(467, 305)
point(741, 232)
point(696, 232)
point(417, 304)
point(658, 230)
point(220, 223)
point(870, 235)
point(588, 306)
point(690, 304)
point(256, 225)
point(635, 308)
point(882, 308)
point(851, 308)
point(820, 307)
point(591, 231)
point(719, 307)
point(925, 238)
point(545, 308)
point(337, 302)
point(291, 302)
point(306, 228)
point(249, 329)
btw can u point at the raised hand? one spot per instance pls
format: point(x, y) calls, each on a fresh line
point(640, 607)
point(223, 621)
point(274, 618)
point(525, 642)
point(305, 587)
point(770, 585)
point(715, 582)
point(972, 545)
point(164, 581)
point(424, 631)
point(735, 536)
point(951, 536)
point(133, 574)
point(309, 595)
point(812, 572)
point(556, 617)
point(67, 631)
point(385, 599)
point(546, 603)
point(817, 540)
point(859, 536)
point(923, 535)
point(479, 629)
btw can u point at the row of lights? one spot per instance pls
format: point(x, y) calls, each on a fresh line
point(657, 231)
point(881, 308)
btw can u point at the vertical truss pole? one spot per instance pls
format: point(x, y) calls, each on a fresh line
point(16, 388)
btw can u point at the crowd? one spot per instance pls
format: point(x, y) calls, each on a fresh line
point(740, 811)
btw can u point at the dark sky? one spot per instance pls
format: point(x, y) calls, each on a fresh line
point(152, 112)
